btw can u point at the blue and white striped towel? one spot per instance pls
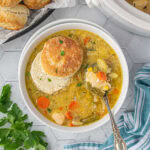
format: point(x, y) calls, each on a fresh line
point(134, 126)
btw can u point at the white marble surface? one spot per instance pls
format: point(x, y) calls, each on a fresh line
point(135, 48)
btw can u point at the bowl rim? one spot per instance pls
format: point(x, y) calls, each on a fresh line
point(21, 74)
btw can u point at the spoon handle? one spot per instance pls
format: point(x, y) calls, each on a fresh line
point(118, 140)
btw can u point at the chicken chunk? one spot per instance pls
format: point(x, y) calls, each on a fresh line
point(58, 117)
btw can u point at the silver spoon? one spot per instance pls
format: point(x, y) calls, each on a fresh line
point(119, 143)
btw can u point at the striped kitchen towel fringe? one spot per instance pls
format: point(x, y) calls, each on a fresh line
point(134, 126)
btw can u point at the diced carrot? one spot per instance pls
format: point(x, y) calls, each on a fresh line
point(115, 91)
point(43, 102)
point(68, 115)
point(71, 124)
point(102, 76)
point(61, 108)
point(73, 105)
point(86, 40)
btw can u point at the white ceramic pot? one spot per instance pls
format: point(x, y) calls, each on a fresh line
point(131, 18)
point(55, 27)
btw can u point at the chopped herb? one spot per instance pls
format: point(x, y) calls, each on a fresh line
point(60, 41)
point(86, 66)
point(62, 53)
point(70, 35)
point(46, 96)
point(93, 42)
point(79, 84)
point(18, 131)
point(91, 49)
point(49, 110)
point(56, 70)
point(49, 80)
point(40, 78)
point(28, 74)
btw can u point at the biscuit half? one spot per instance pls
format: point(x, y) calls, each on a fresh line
point(14, 18)
point(9, 3)
point(61, 57)
point(36, 4)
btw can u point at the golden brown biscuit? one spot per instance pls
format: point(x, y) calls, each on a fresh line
point(13, 18)
point(9, 3)
point(61, 57)
point(36, 4)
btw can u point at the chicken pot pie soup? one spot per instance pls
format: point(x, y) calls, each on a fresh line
point(56, 73)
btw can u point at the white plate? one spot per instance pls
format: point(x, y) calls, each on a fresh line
point(55, 27)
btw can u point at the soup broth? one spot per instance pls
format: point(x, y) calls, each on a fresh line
point(78, 105)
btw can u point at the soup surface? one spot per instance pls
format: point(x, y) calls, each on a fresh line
point(74, 105)
point(143, 5)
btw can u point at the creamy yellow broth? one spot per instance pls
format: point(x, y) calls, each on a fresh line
point(96, 48)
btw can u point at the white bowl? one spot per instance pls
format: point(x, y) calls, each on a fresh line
point(63, 25)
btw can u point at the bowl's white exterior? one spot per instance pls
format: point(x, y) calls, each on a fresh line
point(55, 27)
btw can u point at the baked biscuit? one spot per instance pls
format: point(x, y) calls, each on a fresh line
point(36, 4)
point(61, 57)
point(9, 3)
point(14, 18)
